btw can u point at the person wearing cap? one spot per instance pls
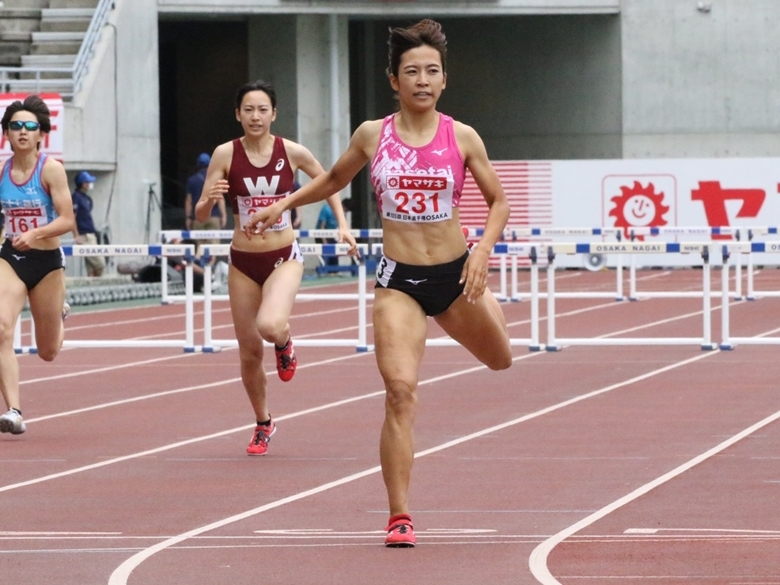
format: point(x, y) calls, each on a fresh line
point(85, 232)
point(218, 218)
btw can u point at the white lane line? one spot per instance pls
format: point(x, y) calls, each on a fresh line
point(538, 559)
point(122, 573)
point(537, 562)
point(207, 385)
point(174, 391)
point(243, 427)
point(155, 360)
point(747, 531)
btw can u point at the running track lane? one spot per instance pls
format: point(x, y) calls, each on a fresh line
point(492, 472)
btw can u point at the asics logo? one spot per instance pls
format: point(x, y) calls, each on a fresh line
point(415, 282)
point(440, 151)
point(280, 164)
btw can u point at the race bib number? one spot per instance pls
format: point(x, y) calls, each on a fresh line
point(248, 206)
point(19, 220)
point(417, 198)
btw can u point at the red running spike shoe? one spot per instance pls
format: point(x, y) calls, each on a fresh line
point(262, 436)
point(400, 532)
point(286, 362)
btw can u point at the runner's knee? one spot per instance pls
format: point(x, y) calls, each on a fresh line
point(400, 397)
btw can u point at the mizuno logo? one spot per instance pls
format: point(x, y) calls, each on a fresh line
point(18, 257)
point(440, 151)
point(415, 282)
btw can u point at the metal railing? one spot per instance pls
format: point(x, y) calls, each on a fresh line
point(66, 81)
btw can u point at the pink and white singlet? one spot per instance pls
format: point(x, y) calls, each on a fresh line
point(417, 184)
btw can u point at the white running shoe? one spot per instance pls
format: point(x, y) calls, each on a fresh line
point(12, 422)
point(65, 310)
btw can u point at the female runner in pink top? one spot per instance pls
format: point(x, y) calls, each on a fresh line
point(418, 160)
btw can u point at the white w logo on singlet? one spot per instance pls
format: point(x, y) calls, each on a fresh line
point(262, 187)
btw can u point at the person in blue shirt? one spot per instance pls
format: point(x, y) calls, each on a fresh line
point(327, 221)
point(218, 218)
point(85, 232)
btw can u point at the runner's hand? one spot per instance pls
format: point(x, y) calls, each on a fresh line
point(474, 275)
point(346, 237)
point(262, 220)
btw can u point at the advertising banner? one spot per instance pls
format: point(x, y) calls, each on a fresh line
point(645, 199)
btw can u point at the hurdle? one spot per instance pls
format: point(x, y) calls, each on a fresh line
point(360, 343)
point(729, 250)
point(199, 235)
point(211, 345)
point(527, 234)
point(79, 251)
point(677, 231)
point(505, 249)
point(774, 248)
point(705, 341)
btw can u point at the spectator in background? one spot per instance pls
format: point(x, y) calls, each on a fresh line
point(218, 218)
point(85, 232)
point(327, 221)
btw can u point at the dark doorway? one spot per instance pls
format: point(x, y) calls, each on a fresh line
point(202, 64)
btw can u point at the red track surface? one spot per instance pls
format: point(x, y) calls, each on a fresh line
point(654, 464)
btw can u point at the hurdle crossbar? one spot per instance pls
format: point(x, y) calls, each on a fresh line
point(78, 251)
point(732, 250)
point(678, 231)
point(768, 247)
point(504, 249)
point(198, 235)
point(360, 343)
point(705, 341)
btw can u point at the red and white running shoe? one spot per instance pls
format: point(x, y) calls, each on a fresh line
point(286, 362)
point(260, 439)
point(400, 532)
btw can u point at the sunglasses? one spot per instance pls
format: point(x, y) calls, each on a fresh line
point(19, 124)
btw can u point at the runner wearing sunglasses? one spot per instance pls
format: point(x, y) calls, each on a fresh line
point(36, 203)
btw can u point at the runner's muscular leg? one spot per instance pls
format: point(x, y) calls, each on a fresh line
point(480, 328)
point(400, 329)
point(245, 298)
point(46, 301)
point(273, 318)
point(12, 296)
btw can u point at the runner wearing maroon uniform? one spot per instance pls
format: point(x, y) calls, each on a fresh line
point(255, 171)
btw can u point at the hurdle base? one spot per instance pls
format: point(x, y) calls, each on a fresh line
point(540, 347)
point(553, 348)
point(709, 346)
point(726, 346)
